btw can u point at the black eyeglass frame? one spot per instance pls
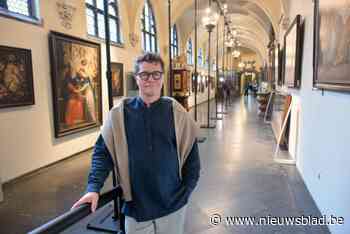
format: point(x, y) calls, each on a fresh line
point(145, 76)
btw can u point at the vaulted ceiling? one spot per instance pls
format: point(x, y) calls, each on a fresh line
point(252, 19)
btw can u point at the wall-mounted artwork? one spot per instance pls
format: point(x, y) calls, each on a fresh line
point(16, 77)
point(177, 82)
point(293, 53)
point(332, 45)
point(76, 84)
point(117, 79)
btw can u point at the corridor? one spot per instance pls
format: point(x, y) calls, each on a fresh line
point(238, 178)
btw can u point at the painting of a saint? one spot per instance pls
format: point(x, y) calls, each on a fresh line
point(16, 77)
point(76, 78)
point(117, 79)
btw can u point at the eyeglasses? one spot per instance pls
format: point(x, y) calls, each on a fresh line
point(156, 75)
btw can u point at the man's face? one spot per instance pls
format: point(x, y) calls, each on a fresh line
point(150, 87)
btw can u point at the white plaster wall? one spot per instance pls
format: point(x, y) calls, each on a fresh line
point(27, 133)
point(322, 152)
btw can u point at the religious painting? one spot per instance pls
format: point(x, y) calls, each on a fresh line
point(117, 79)
point(76, 84)
point(177, 82)
point(332, 45)
point(293, 50)
point(16, 77)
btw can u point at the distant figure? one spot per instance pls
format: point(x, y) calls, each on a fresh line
point(247, 88)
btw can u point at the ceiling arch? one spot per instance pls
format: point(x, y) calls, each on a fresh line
point(251, 18)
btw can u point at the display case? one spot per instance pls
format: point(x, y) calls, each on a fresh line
point(182, 85)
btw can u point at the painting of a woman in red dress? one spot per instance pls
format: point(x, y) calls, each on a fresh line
point(80, 103)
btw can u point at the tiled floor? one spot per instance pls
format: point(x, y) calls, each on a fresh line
point(238, 178)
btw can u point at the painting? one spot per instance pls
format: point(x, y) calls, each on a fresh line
point(177, 82)
point(293, 50)
point(332, 45)
point(117, 79)
point(16, 77)
point(76, 84)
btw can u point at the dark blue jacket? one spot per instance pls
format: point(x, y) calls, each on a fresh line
point(153, 163)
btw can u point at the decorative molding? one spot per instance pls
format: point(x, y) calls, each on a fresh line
point(66, 13)
point(284, 22)
point(134, 39)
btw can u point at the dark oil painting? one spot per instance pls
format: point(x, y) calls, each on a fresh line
point(16, 77)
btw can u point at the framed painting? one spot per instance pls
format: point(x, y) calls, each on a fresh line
point(16, 77)
point(177, 82)
point(332, 44)
point(293, 54)
point(76, 83)
point(117, 79)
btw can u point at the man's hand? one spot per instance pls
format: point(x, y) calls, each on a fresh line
point(90, 197)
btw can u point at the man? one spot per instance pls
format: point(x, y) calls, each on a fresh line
point(151, 140)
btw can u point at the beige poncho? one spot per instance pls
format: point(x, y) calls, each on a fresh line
point(113, 133)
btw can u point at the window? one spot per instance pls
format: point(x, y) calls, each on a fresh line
point(189, 52)
point(200, 57)
point(148, 28)
point(95, 19)
point(19, 7)
point(174, 42)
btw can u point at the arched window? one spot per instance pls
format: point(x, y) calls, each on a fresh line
point(95, 19)
point(148, 28)
point(174, 42)
point(189, 52)
point(21, 7)
point(200, 57)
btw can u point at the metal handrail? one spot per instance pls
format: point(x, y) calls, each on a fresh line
point(69, 218)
